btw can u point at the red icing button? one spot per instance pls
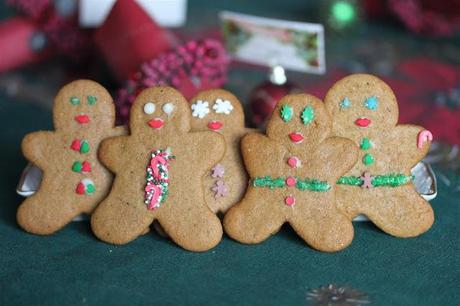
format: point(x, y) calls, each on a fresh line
point(290, 181)
point(75, 145)
point(363, 122)
point(289, 201)
point(293, 162)
point(80, 188)
point(82, 119)
point(86, 167)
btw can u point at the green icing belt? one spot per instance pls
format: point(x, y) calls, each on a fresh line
point(301, 184)
point(388, 180)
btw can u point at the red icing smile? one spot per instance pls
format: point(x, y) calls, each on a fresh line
point(82, 119)
point(296, 137)
point(215, 125)
point(363, 122)
point(156, 123)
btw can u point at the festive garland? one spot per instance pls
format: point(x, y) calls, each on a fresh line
point(156, 189)
point(280, 182)
point(388, 180)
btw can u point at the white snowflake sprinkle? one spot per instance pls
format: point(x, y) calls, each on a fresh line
point(223, 106)
point(200, 109)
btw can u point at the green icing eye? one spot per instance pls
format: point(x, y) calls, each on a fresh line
point(74, 100)
point(286, 113)
point(92, 100)
point(308, 114)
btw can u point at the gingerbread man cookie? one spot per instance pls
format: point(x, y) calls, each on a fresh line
point(293, 171)
point(220, 111)
point(158, 175)
point(364, 109)
point(74, 181)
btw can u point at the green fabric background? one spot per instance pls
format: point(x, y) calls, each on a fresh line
point(73, 267)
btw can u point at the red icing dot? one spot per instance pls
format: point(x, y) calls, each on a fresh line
point(80, 188)
point(86, 167)
point(290, 181)
point(293, 162)
point(289, 201)
point(75, 145)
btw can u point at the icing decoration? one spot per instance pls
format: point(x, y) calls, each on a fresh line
point(294, 162)
point(289, 200)
point(223, 106)
point(220, 189)
point(371, 103)
point(368, 159)
point(388, 180)
point(286, 113)
point(91, 100)
point(367, 180)
point(290, 181)
point(362, 122)
point(218, 171)
point(74, 100)
point(82, 119)
point(81, 146)
point(76, 167)
point(345, 103)
point(200, 109)
point(168, 108)
point(156, 123)
point(296, 137)
point(280, 182)
point(215, 125)
point(156, 188)
point(424, 136)
point(86, 186)
point(365, 144)
point(85, 167)
point(308, 114)
point(149, 108)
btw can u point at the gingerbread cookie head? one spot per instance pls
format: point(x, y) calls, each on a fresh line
point(159, 110)
point(359, 103)
point(83, 104)
point(216, 110)
point(297, 118)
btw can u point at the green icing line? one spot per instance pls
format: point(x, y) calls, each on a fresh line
point(74, 100)
point(365, 144)
point(280, 182)
point(368, 159)
point(308, 114)
point(92, 100)
point(387, 180)
point(286, 113)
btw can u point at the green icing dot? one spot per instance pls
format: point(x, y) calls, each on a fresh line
point(368, 159)
point(90, 188)
point(92, 100)
point(74, 100)
point(286, 113)
point(76, 167)
point(308, 114)
point(84, 148)
point(365, 144)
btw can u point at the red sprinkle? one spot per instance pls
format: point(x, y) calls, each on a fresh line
point(80, 188)
point(75, 145)
point(82, 119)
point(86, 167)
point(289, 201)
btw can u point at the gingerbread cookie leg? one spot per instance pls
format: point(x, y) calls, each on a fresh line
point(253, 220)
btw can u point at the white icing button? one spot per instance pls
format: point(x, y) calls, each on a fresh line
point(149, 108)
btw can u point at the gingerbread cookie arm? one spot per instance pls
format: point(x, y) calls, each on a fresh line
point(211, 144)
point(411, 142)
point(110, 150)
point(35, 145)
point(120, 130)
point(260, 154)
point(337, 156)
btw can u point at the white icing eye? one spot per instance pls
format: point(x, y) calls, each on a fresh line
point(200, 109)
point(168, 108)
point(223, 106)
point(149, 108)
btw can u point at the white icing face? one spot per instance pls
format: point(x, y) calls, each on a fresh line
point(223, 107)
point(149, 108)
point(200, 109)
point(168, 108)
